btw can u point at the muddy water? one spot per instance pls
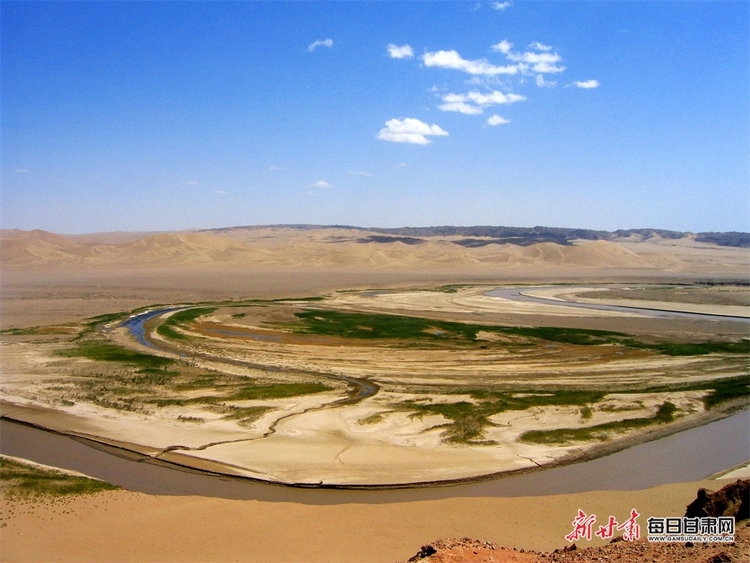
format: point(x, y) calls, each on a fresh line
point(687, 456)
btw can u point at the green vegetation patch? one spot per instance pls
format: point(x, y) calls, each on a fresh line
point(104, 351)
point(469, 420)
point(372, 326)
point(721, 390)
point(599, 432)
point(372, 419)
point(28, 481)
point(381, 326)
point(246, 416)
point(693, 348)
point(250, 392)
point(726, 390)
point(20, 331)
point(181, 318)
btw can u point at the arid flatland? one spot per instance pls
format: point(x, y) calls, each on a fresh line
point(271, 353)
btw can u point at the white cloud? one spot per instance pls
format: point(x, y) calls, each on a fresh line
point(587, 84)
point(502, 6)
point(403, 52)
point(274, 168)
point(473, 103)
point(541, 82)
point(409, 130)
point(322, 185)
point(191, 183)
point(220, 192)
point(460, 107)
point(503, 47)
point(540, 61)
point(497, 120)
point(22, 170)
point(534, 58)
point(320, 43)
point(547, 68)
point(361, 173)
point(451, 59)
point(539, 47)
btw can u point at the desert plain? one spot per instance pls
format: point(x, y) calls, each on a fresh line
point(343, 357)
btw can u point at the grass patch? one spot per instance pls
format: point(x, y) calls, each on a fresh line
point(694, 348)
point(180, 318)
point(468, 420)
point(372, 326)
point(193, 419)
point(721, 390)
point(600, 432)
point(28, 481)
point(381, 326)
point(103, 351)
point(372, 419)
point(726, 390)
point(249, 393)
point(246, 416)
point(20, 331)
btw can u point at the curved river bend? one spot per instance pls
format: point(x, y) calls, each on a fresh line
point(690, 455)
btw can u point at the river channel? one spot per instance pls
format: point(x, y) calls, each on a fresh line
point(358, 388)
point(520, 294)
point(690, 455)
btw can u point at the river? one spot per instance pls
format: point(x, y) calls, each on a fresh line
point(689, 455)
point(517, 294)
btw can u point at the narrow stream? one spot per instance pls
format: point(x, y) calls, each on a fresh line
point(359, 389)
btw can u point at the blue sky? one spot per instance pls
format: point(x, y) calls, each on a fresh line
point(162, 116)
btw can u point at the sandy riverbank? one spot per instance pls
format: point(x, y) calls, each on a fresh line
point(124, 526)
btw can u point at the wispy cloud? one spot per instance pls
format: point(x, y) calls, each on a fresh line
point(320, 43)
point(21, 170)
point(543, 82)
point(221, 192)
point(474, 102)
point(361, 173)
point(321, 185)
point(502, 6)
point(540, 60)
point(497, 120)
point(539, 47)
point(409, 130)
point(451, 59)
point(587, 84)
point(191, 183)
point(274, 168)
point(402, 52)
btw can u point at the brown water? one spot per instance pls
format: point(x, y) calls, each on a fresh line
point(690, 455)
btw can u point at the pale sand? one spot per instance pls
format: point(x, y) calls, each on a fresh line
point(125, 526)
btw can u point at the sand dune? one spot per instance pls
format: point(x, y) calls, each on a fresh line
point(333, 248)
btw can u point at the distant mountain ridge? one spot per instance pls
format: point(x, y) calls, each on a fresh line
point(521, 236)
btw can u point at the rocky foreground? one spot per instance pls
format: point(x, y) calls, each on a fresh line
point(732, 500)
